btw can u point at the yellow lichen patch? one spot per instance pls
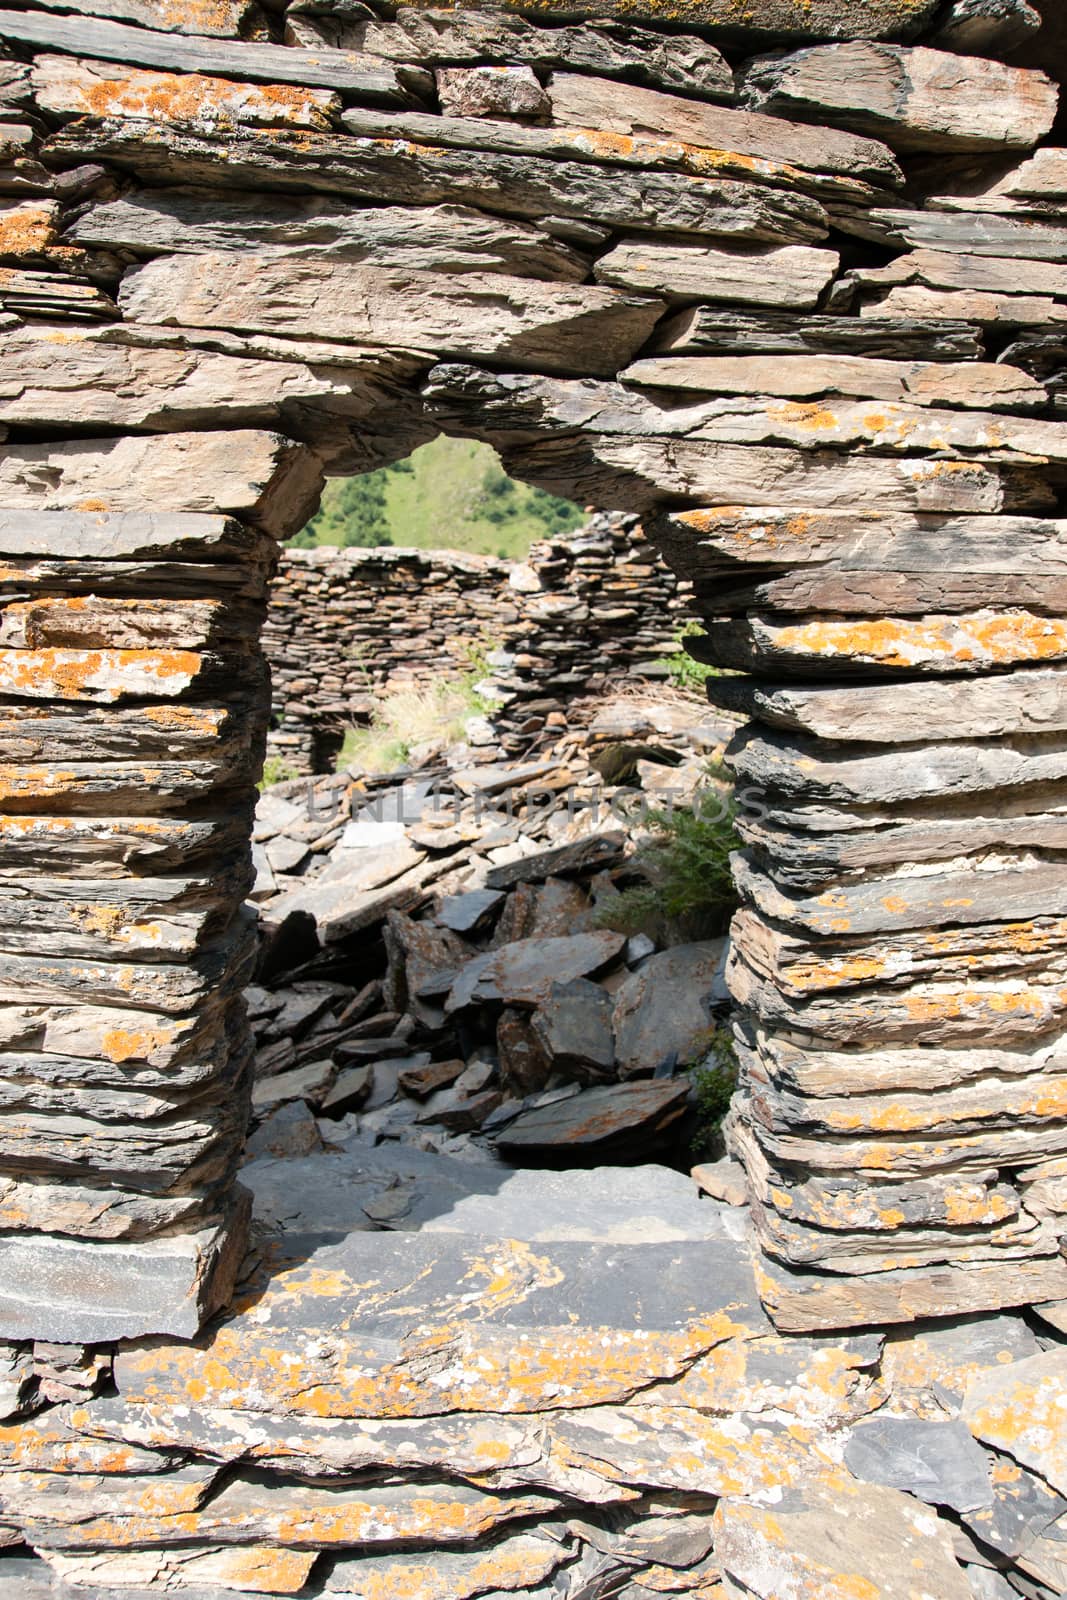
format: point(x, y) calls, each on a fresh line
point(108, 90)
point(981, 638)
point(810, 418)
point(44, 1444)
point(768, 1374)
point(104, 675)
point(106, 920)
point(808, 975)
point(137, 1044)
point(28, 229)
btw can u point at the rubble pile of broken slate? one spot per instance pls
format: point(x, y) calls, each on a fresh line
point(439, 965)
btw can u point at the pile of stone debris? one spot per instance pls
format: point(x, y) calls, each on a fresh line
point(439, 964)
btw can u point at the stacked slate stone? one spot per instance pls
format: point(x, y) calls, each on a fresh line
point(583, 612)
point(790, 286)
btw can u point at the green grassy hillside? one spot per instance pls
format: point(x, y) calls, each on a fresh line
point(450, 494)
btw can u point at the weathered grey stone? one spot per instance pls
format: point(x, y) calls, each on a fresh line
point(84, 88)
point(987, 26)
point(262, 476)
point(247, 1510)
point(402, 173)
point(463, 913)
point(262, 63)
point(623, 1114)
point(787, 275)
point(510, 1563)
point(794, 209)
point(1023, 1508)
point(621, 1205)
point(624, 109)
point(642, 472)
point(16, 1379)
point(1017, 1409)
point(573, 1024)
point(980, 385)
point(510, 400)
point(523, 971)
point(491, 92)
point(834, 1533)
point(432, 238)
point(802, 1302)
point(556, 327)
point(472, 37)
point(1028, 701)
point(798, 19)
point(95, 1293)
point(664, 1012)
point(386, 1360)
point(220, 19)
point(715, 331)
point(937, 643)
point(938, 1462)
point(892, 902)
point(914, 99)
point(983, 273)
point(95, 378)
point(201, 1572)
point(969, 233)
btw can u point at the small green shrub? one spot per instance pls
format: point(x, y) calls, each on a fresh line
point(277, 770)
point(683, 672)
point(688, 891)
point(714, 1080)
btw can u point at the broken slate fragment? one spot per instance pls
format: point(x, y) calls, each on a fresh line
point(938, 1462)
point(833, 1536)
point(289, 1131)
point(522, 973)
point(573, 1025)
point(1023, 1508)
point(598, 1118)
point(1020, 1410)
point(665, 1009)
point(464, 913)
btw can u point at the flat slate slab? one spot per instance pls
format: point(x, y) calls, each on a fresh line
point(93, 1292)
point(598, 1117)
point(625, 1205)
point(415, 1325)
point(938, 1462)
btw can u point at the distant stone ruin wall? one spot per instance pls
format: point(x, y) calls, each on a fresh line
point(344, 624)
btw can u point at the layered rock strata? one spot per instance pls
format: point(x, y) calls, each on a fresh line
point(791, 287)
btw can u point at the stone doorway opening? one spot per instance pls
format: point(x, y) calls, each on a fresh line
point(531, 749)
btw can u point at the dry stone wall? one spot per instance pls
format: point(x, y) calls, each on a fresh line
point(581, 612)
point(789, 282)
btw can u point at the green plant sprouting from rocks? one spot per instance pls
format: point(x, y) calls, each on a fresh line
point(277, 770)
point(682, 671)
point(688, 890)
point(714, 1082)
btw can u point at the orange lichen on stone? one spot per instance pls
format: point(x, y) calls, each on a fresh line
point(831, 974)
point(104, 89)
point(810, 418)
point(137, 1044)
point(104, 674)
point(994, 640)
point(29, 229)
